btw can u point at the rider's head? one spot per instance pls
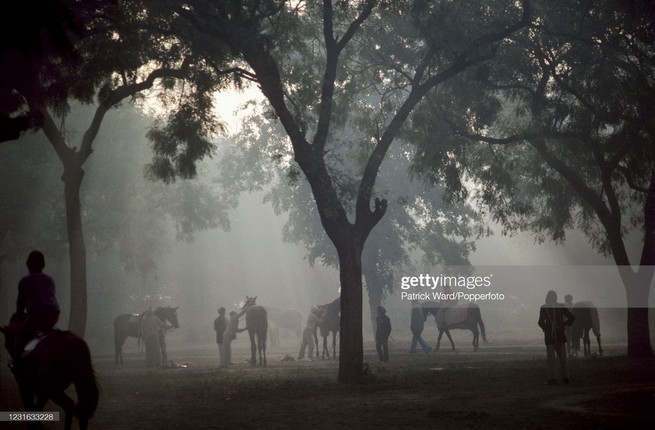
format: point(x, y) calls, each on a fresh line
point(35, 262)
point(551, 297)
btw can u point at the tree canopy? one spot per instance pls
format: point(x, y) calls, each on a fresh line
point(565, 132)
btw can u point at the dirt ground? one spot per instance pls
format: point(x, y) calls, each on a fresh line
point(500, 387)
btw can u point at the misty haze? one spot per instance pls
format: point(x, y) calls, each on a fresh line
point(325, 214)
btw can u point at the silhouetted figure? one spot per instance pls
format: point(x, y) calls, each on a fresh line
point(416, 325)
point(382, 333)
point(230, 334)
point(568, 304)
point(152, 327)
point(36, 298)
point(313, 320)
point(553, 318)
point(220, 324)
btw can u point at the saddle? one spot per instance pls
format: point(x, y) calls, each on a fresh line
point(452, 315)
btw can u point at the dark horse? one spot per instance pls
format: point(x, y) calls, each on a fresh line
point(449, 316)
point(329, 323)
point(59, 359)
point(257, 325)
point(586, 319)
point(129, 325)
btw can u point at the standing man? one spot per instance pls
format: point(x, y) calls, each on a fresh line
point(416, 325)
point(220, 324)
point(230, 334)
point(36, 297)
point(382, 333)
point(313, 320)
point(568, 303)
point(152, 327)
point(553, 319)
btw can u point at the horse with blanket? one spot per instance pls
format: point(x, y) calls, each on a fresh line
point(450, 316)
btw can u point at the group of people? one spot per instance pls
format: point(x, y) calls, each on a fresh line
point(226, 331)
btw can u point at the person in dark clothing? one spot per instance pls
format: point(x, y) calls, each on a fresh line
point(553, 319)
point(220, 324)
point(36, 307)
point(36, 298)
point(382, 333)
point(568, 304)
point(416, 325)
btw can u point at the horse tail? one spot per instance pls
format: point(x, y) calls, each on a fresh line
point(481, 324)
point(85, 382)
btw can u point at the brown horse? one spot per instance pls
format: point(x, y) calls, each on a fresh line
point(257, 325)
point(58, 360)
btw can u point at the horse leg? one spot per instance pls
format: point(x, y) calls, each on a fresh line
point(253, 349)
point(262, 351)
point(436, 348)
point(450, 339)
point(68, 405)
point(587, 343)
point(600, 349)
point(326, 351)
point(118, 348)
point(476, 340)
point(27, 396)
point(334, 345)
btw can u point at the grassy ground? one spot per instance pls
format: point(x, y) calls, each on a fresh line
point(497, 388)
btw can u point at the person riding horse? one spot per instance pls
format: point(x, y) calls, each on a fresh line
point(36, 304)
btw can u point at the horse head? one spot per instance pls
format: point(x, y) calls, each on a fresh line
point(11, 332)
point(172, 316)
point(168, 313)
point(250, 301)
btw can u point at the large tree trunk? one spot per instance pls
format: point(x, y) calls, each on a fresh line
point(73, 175)
point(351, 350)
point(637, 287)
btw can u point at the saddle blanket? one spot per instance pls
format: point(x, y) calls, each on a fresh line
point(452, 315)
point(31, 345)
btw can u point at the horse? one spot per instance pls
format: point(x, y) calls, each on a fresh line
point(448, 316)
point(586, 319)
point(59, 359)
point(330, 322)
point(290, 319)
point(129, 325)
point(257, 325)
